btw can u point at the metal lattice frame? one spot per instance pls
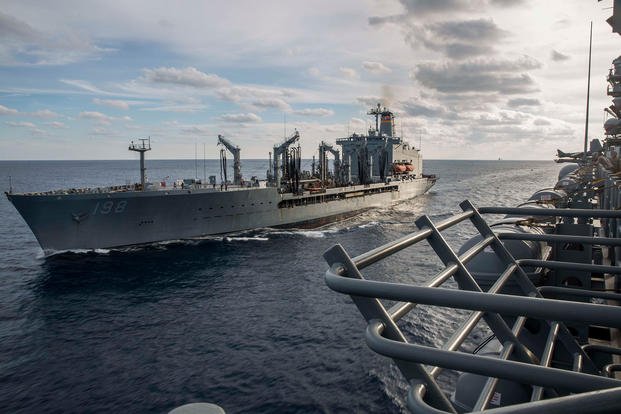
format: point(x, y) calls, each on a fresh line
point(516, 362)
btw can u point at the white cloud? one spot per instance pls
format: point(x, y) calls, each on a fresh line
point(44, 113)
point(319, 112)
point(100, 118)
point(24, 45)
point(8, 111)
point(375, 67)
point(113, 103)
point(178, 108)
point(20, 124)
point(57, 125)
point(368, 101)
point(271, 103)
point(84, 85)
point(349, 73)
point(198, 129)
point(96, 116)
point(189, 76)
point(240, 118)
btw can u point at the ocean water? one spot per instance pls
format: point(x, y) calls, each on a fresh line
point(245, 321)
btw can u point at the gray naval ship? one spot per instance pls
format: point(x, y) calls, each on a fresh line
point(370, 170)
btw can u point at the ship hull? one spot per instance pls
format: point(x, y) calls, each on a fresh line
point(103, 220)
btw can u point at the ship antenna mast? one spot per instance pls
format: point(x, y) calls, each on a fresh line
point(142, 147)
point(586, 126)
point(376, 111)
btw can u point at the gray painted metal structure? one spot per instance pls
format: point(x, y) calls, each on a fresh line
point(236, 151)
point(505, 315)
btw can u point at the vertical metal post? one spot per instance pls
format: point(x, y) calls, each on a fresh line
point(142, 171)
point(586, 127)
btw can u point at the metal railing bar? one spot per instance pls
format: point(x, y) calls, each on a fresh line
point(577, 366)
point(465, 281)
point(379, 253)
point(490, 385)
point(476, 249)
point(553, 212)
point(525, 284)
point(546, 357)
point(610, 369)
point(556, 290)
point(606, 401)
point(538, 308)
point(374, 312)
point(558, 238)
point(460, 335)
point(398, 310)
point(482, 365)
point(601, 348)
point(551, 264)
point(416, 402)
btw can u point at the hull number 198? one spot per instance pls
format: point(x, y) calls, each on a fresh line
point(109, 206)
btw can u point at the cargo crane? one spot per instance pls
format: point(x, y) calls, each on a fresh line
point(280, 156)
point(324, 149)
point(235, 150)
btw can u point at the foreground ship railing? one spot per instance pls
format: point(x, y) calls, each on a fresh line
point(536, 346)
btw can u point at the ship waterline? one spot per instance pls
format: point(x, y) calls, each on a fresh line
point(103, 220)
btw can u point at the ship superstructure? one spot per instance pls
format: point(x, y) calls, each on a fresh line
point(368, 171)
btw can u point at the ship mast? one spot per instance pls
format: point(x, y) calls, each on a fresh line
point(142, 147)
point(377, 112)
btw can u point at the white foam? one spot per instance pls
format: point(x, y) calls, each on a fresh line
point(246, 239)
point(313, 234)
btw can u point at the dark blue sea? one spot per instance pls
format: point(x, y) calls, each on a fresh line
point(244, 321)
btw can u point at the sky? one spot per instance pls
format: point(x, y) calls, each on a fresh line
point(467, 79)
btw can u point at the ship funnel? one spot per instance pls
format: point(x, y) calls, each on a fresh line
point(387, 124)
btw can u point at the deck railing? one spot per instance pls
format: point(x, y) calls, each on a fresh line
point(558, 386)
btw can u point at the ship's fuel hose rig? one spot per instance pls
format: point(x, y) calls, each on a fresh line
point(324, 150)
point(280, 159)
point(235, 150)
